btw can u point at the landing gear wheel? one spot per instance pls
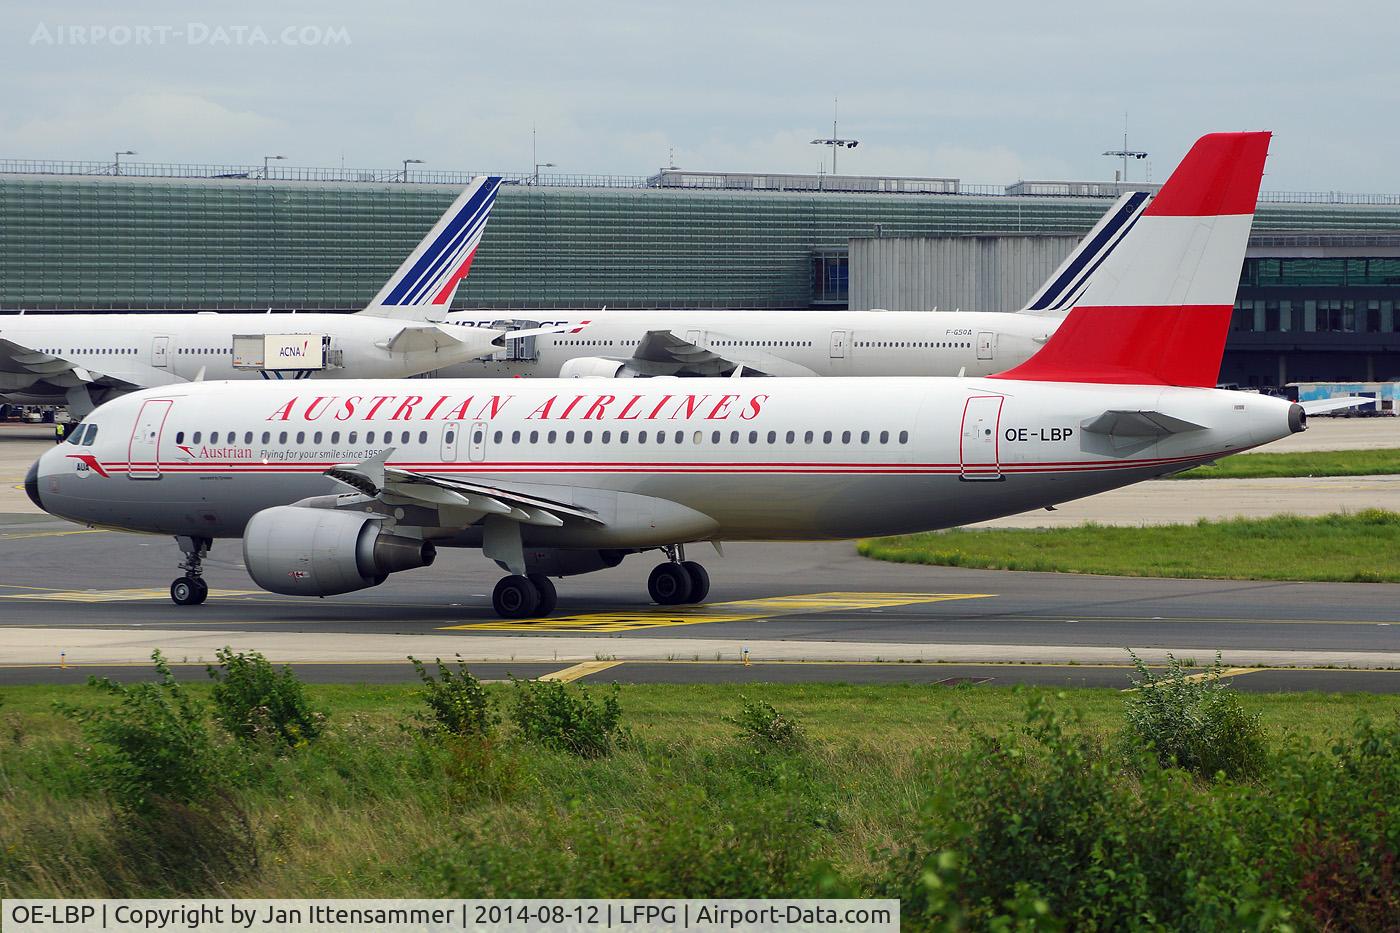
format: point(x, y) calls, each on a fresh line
point(549, 596)
point(515, 597)
point(669, 584)
point(189, 591)
point(699, 581)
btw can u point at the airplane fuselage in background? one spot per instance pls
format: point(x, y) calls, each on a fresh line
point(163, 349)
point(781, 343)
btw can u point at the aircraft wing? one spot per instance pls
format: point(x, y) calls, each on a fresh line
point(1321, 406)
point(419, 338)
point(468, 501)
point(25, 369)
point(662, 353)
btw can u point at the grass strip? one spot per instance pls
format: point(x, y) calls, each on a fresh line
point(372, 810)
point(1307, 463)
point(1339, 548)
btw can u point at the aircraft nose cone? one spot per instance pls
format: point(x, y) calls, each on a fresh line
point(31, 485)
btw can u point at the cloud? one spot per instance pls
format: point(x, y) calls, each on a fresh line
point(165, 125)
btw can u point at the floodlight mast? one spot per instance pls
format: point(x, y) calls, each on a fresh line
point(1125, 153)
point(835, 142)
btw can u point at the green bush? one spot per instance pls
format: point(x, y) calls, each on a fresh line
point(1044, 830)
point(1196, 724)
point(1348, 855)
point(151, 746)
point(765, 726)
point(257, 703)
point(681, 844)
point(457, 703)
point(176, 828)
point(547, 713)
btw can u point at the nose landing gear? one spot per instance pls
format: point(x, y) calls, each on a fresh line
point(191, 590)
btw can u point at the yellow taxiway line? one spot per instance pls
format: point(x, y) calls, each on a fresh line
point(570, 674)
point(745, 610)
point(1204, 675)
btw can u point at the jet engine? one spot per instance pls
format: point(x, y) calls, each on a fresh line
point(319, 552)
point(595, 367)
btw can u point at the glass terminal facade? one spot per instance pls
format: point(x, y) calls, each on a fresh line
point(1323, 278)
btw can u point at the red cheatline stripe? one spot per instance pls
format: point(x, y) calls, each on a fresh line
point(474, 466)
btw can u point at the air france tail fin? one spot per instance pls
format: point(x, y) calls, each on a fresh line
point(423, 286)
point(1072, 277)
point(1157, 311)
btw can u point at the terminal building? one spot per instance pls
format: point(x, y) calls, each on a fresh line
point(1317, 297)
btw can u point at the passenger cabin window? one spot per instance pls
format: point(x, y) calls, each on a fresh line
point(422, 437)
point(195, 439)
point(904, 437)
point(316, 438)
point(281, 438)
point(179, 437)
point(247, 437)
point(301, 437)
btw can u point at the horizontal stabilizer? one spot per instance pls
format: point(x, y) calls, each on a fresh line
point(1138, 424)
point(1320, 406)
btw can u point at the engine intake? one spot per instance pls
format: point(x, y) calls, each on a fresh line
point(318, 552)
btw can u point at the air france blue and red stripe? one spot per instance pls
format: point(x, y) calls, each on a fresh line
point(433, 275)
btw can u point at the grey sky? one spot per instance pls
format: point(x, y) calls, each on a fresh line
point(988, 92)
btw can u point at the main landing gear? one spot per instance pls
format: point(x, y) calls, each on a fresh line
point(532, 595)
point(191, 590)
point(678, 581)
point(526, 596)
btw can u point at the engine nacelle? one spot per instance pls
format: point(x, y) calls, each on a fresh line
point(319, 552)
point(566, 562)
point(595, 367)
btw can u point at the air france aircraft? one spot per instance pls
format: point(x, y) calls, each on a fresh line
point(622, 344)
point(333, 488)
point(81, 360)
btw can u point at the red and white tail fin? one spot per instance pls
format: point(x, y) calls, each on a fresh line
point(1157, 311)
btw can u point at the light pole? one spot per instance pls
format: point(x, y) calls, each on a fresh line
point(406, 164)
point(265, 161)
point(835, 142)
point(117, 164)
point(1125, 153)
point(540, 165)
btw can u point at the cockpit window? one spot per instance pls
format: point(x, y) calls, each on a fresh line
point(75, 434)
point(90, 436)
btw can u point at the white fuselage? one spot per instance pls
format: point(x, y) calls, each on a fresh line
point(164, 349)
point(820, 343)
point(660, 461)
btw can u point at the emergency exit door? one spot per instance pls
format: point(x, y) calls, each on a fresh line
point(451, 434)
point(979, 448)
point(478, 441)
point(985, 341)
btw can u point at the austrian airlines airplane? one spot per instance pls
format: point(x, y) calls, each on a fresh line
point(334, 488)
point(81, 360)
point(623, 344)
